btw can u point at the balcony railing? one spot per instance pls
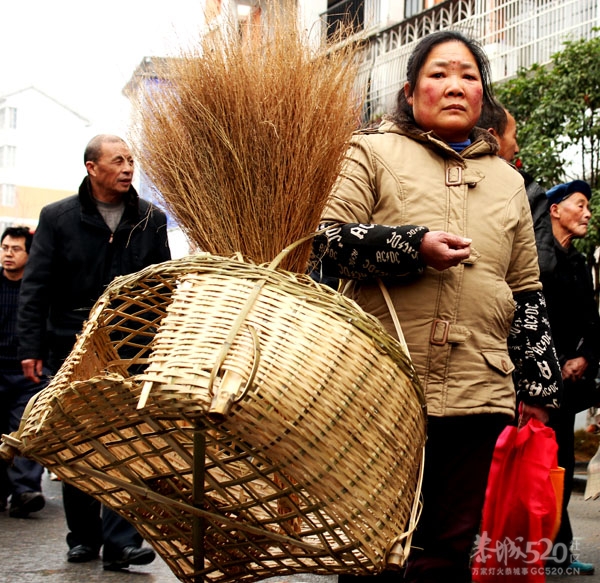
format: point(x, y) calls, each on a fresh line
point(515, 34)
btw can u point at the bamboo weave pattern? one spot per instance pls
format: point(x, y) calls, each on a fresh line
point(312, 469)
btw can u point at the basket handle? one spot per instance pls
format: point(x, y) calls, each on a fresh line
point(228, 392)
point(398, 549)
point(284, 252)
point(394, 315)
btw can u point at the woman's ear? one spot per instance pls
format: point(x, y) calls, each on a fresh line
point(408, 93)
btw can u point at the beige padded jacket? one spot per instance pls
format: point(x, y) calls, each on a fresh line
point(456, 321)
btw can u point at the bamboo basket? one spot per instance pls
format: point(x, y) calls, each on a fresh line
point(248, 421)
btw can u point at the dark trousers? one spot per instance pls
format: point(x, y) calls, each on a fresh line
point(563, 423)
point(89, 522)
point(94, 525)
point(23, 475)
point(458, 456)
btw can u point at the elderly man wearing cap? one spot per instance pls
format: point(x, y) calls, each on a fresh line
point(575, 326)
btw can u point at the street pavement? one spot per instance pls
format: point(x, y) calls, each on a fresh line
point(33, 550)
point(585, 521)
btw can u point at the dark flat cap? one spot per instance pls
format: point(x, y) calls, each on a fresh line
point(559, 192)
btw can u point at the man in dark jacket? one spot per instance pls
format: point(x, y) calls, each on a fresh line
point(22, 480)
point(81, 244)
point(575, 325)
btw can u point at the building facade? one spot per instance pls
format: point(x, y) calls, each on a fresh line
point(41, 154)
point(514, 33)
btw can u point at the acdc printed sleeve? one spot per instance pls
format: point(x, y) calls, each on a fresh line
point(537, 370)
point(356, 251)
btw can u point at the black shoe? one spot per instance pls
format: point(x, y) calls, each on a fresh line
point(130, 556)
point(22, 505)
point(81, 554)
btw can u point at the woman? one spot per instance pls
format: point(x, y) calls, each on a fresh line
point(424, 203)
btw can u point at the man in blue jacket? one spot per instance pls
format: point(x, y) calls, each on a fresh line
point(81, 244)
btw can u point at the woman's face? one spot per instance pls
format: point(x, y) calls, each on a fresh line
point(448, 93)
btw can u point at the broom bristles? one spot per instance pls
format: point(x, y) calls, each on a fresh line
point(244, 139)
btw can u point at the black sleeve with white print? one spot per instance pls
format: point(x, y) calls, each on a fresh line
point(355, 251)
point(363, 251)
point(537, 375)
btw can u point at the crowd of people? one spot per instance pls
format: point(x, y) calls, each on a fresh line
point(496, 305)
point(562, 215)
point(80, 245)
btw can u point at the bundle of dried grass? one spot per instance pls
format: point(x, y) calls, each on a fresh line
point(244, 137)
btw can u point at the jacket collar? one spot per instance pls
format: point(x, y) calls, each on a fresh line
point(482, 142)
point(88, 205)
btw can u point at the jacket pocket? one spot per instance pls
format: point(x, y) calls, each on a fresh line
point(502, 311)
point(499, 361)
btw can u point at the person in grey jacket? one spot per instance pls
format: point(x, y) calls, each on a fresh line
point(81, 244)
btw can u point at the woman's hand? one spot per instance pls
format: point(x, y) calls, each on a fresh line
point(442, 250)
point(526, 412)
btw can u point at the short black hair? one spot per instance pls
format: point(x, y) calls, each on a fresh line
point(17, 233)
point(94, 148)
point(493, 115)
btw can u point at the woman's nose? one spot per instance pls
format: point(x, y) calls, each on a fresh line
point(454, 86)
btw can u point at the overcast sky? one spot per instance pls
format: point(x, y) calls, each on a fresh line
point(83, 52)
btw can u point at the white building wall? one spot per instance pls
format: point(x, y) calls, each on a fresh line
point(49, 141)
point(392, 12)
point(310, 22)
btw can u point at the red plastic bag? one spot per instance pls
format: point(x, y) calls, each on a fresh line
point(521, 509)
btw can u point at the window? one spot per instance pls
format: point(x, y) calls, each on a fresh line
point(8, 118)
point(412, 7)
point(8, 194)
point(8, 156)
point(344, 15)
